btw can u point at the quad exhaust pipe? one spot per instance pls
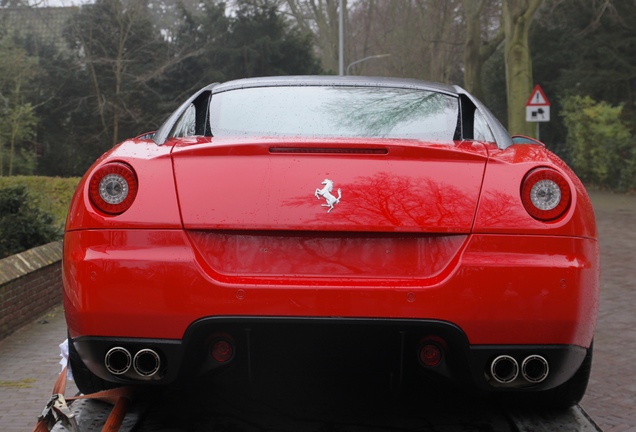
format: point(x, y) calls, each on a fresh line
point(118, 360)
point(535, 369)
point(505, 369)
point(145, 363)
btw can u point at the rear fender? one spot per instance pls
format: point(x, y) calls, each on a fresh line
point(155, 205)
point(501, 210)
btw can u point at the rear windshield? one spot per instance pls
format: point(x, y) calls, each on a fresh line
point(365, 112)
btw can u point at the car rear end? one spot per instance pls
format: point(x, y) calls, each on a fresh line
point(419, 252)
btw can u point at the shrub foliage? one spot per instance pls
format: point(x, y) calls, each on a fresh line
point(601, 145)
point(22, 224)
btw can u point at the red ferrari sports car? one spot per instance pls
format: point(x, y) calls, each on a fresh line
point(358, 220)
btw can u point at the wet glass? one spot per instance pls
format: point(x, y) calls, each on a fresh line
point(347, 112)
point(186, 125)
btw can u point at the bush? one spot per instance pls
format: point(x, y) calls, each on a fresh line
point(601, 146)
point(22, 224)
point(53, 194)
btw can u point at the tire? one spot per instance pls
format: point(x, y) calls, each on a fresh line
point(85, 380)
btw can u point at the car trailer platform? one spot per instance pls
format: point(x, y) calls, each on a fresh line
point(296, 407)
point(91, 416)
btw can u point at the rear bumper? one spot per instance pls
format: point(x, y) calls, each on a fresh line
point(498, 289)
point(288, 345)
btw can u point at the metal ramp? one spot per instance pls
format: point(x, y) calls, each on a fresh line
point(297, 407)
point(92, 415)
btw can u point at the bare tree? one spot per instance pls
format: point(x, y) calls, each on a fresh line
point(423, 37)
point(480, 42)
point(320, 18)
point(115, 39)
point(517, 18)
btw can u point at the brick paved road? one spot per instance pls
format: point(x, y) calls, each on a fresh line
point(611, 395)
point(29, 366)
point(29, 358)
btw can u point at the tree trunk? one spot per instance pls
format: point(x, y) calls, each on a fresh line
point(477, 51)
point(472, 63)
point(321, 17)
point(517, 18)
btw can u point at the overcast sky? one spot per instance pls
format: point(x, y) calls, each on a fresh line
point(63, 2)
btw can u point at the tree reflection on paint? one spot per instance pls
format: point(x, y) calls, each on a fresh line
point(389, 200)
point(497, 208)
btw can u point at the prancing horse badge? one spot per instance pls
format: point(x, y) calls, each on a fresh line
point(325, 193)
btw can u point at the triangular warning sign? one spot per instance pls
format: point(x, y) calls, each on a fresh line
point(537, 97)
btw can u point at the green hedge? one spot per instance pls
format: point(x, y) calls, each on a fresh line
point(50, 194)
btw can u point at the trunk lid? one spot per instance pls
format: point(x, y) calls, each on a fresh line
point(373, 185)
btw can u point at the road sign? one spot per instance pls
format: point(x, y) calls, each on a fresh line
point(540, 113)
point(538, 106)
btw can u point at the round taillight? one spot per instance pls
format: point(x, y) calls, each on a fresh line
point(113, 188)
point(545, 194)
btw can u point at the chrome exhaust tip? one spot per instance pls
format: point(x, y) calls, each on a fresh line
point(535, 369)
point(147, 362)
point(118, 360)
point(504, 369)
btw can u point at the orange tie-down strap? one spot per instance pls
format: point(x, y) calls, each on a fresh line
point(57, 410)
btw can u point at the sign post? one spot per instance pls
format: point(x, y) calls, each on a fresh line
point(537, 107)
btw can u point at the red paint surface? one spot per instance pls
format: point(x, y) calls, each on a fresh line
point(499, 289)
point(423, 231)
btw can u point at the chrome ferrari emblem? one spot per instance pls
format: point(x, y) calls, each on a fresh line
point(325, 193)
